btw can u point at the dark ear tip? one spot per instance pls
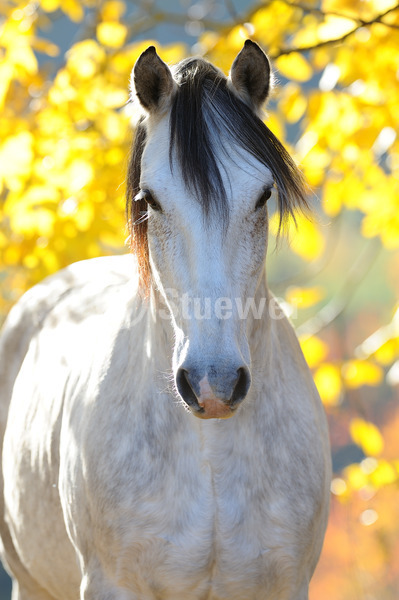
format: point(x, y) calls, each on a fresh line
point(250, 44)
point(250, 74)
point(150, 50)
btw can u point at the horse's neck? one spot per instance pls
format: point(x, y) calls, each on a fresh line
point(160, 330)
point(259, 323)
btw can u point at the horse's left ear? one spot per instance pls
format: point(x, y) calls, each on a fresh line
point(152, 82)
point(250, 75)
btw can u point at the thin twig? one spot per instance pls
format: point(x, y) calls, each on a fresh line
point(315, 268)
point(337, 305)
point(332, 13)
point(231, 9)
point(154, 17)
point(361, 23)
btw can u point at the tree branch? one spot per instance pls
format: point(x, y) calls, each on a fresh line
point(154, 17)
point(232, 10)
point(361, 23)
point(336, 306)
point(315, 268)
point(334, 13)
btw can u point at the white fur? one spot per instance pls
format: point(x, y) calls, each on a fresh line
point(110, 485)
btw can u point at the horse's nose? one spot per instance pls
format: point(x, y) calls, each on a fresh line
point(213, 393)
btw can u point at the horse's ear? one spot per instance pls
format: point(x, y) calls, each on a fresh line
point(250, 75)
point(152, 82)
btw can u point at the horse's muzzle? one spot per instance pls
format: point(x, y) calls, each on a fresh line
point(215, 394)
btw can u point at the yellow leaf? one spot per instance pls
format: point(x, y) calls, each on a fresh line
point(384, 474)
point(22, 56)
point(113, 127)
point(114, 156)
point(328, 381)
point(237, 37)
point(356, 476)
point(306, 35)
point(63, 91)
point(387, 352)
point(367, 436)
point(41, 195)
point(84, 216)
point(276, 125)
point(304, 297)
point(293, 103)
point(172, 53)
point(72, 8)
point(307, 240)
point(111, 34)
point(6, 73)
point(333, 196)
point(361, 372)
point(314, 350)
point(334, 27)
point(30, 261)
point(12, 255)
point(16, 155)
point(49, 5)
point(34, 212)
point(113, 10)
point(315, 164)
point(114, 97)
point(294, 66)
point(387, 226)
point(85, 58)
point(80, 173)
point(209, 40)
point(50, 260)
point(33, 222)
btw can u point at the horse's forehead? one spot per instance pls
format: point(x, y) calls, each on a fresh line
point(155, 158)
point(239, 169)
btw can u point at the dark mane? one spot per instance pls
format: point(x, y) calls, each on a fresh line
point(203, 109)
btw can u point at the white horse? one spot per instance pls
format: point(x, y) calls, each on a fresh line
point(114, 489)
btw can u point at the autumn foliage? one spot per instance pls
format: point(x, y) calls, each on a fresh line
point(65, 131)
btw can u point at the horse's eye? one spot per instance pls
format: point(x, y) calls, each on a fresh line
point(149, 198)
point(263, 199)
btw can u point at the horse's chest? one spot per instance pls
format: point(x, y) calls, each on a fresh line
point(191, 525)
point(193, 543)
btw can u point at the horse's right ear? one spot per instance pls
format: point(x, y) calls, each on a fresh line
point(250, 75)
point(152, 82)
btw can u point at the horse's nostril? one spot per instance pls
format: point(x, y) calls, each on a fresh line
point(201, 391)
point(184, 388)
point(241, 387)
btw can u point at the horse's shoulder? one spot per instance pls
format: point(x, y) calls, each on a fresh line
point(81, 290)
point(80, 280)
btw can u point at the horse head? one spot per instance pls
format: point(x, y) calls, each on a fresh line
point(202, 169)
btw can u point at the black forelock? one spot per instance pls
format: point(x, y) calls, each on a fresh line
point(204, 110)
point(193, 129)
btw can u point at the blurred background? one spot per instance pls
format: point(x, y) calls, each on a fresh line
point(65, 131)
